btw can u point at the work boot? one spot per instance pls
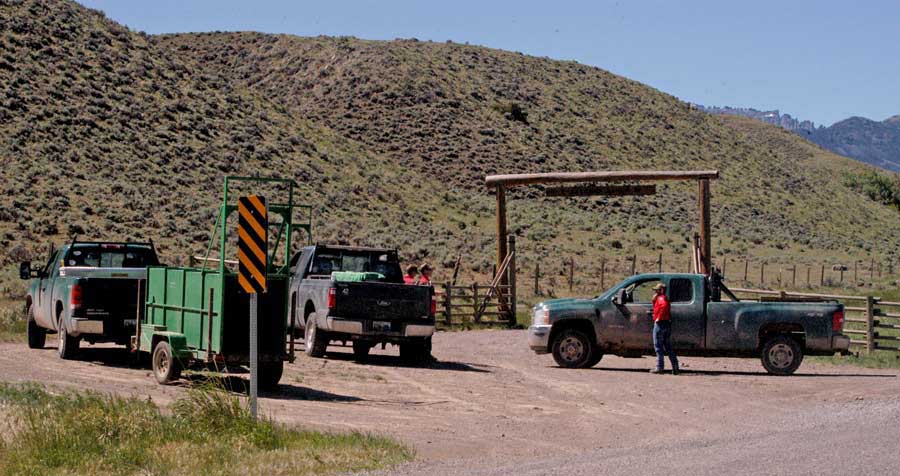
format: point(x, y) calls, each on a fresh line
point(656, 371)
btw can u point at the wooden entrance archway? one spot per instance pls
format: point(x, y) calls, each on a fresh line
point(638, 183)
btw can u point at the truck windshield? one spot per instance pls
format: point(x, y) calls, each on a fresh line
point(382, 262)
point(111, 256)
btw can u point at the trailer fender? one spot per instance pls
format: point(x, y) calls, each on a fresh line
point(177, 341)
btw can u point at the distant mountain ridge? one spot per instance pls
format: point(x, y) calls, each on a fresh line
point(772, 117)
point(873, 142)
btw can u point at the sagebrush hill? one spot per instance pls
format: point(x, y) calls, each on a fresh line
point(108, 133)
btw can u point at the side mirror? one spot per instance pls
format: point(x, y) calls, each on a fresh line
point(619, 298)
point(25, 270)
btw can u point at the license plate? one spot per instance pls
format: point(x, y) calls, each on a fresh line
point(381, 326)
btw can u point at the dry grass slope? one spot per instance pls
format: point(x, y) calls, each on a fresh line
point(109, 133)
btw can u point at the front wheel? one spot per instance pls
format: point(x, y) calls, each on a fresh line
point(315, 341)
point(37, 335)
point(68, 345)
point(781, 355)
point(572, 349)
point(166, 368)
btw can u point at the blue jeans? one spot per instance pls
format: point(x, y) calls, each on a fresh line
point(662, 343)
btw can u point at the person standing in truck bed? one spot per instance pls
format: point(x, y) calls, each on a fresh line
point(425, 279)
point(662, 331)
point(411, 275)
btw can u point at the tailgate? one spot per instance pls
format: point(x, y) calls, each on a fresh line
point(113, 301)
point(381, 301)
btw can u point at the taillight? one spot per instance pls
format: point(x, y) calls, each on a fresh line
point(76, 296)
point(837, 321)
point(332, 297)
point(433, 305)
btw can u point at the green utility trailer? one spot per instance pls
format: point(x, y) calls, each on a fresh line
point(199, 317)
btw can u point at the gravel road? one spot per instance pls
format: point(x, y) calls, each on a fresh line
point(492, 407)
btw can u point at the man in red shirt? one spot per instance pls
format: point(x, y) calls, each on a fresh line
point(411, 275)
point(662, 330)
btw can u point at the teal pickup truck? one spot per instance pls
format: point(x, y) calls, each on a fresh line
point(87, 291)
point(578, 332)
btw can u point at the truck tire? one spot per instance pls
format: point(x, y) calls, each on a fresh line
point(166, 368)
point(316, 340)
point(596, 356)
point(270, 374)
point(361, 349)
point(781, 355)
point(68, 345)
point(416, 351)
point(572, 349)
point(37, 335)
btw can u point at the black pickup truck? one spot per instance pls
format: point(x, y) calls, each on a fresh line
point(355, 294)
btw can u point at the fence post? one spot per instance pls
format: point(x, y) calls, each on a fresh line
point(571, 273)
point(448, 303)
point(822, 276)
point(855, 272)
point(603, 274)
point(762, 274)
point(511, 274)
point(746, 269)
point(870, 324)
point(633, 263)
point(808, 273)
point(475, 307)
point(872, 272)
point(724, 262)
point(794, 276)
point(537, 277)
point(659, 262)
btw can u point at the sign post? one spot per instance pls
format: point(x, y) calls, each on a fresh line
point(253, 226)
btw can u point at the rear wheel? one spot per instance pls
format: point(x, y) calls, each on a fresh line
point(68, 345)
point(166, 368)
point(416, 351)
point(781, 355)
point(37, 335)
point(270, 374)
point(361, 349)
point(595, 358)
point(316, 341)
point(573, 350)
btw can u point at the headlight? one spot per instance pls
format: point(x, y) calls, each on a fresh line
point(541, 316)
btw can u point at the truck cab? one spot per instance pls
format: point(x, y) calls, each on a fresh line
point(620, 321)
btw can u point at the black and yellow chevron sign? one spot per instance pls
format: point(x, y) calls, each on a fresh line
point(253, 230)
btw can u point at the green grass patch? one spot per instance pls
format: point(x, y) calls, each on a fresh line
point(207, 432)
point(877, 360)
point(12, 323)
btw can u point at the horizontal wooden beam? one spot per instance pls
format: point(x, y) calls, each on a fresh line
point(616, 176)
point(600, 190)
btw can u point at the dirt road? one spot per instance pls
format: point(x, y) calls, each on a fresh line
point(490, 406)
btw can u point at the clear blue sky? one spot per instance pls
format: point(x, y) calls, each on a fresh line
point(822, 61)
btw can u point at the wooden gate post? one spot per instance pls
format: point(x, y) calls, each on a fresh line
point(705, 231)
point(511, 273)
point(659, 263)
point(448, 303)
point(762, 274)
point(746, 268)
point(633, 263)
point(502, 251)
point(475, 307)
point(537, 277)
point(571, 273)
point(870, 324)
point(822, 276)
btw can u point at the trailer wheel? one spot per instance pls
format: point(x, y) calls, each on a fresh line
point(781, 355)
point(166, 368)
point(37, 335)
point(315, 341)
point(572, 349)
point(270, 374)
point(68, 345)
